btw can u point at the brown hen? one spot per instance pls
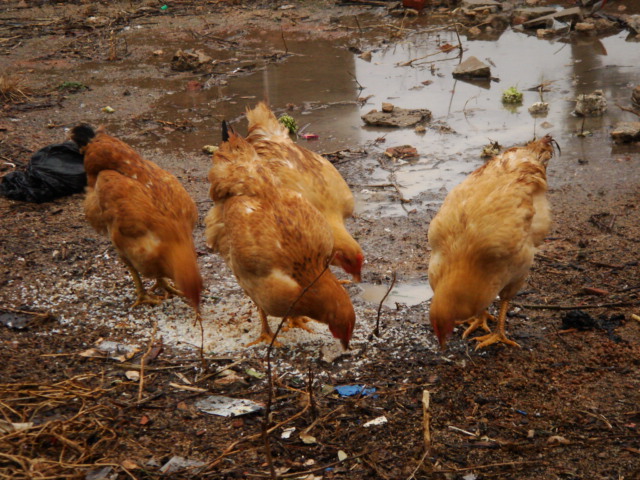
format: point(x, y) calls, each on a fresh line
point(484, 238)
point(311, 175)
point(145, 211)
point(276, 243)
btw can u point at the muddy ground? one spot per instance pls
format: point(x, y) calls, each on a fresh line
point(564, 406)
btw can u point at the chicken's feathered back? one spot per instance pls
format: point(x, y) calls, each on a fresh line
point(483, 238)
point(311, 175)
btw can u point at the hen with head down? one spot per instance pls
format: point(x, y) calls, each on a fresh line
point(145, 211)
point(276, 243)
point(484, 238)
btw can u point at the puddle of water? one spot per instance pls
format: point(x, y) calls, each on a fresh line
point(323, 79)
point(410, 293)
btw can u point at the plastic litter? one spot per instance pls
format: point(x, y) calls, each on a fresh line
point(227, 407)
point(180, 463)
point(376, 421)
point(54, 171)
point(351, 390)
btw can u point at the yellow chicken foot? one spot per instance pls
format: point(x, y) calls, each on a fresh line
point(142, 294)
point(477, 322)
point(266, 335)
point(297, 322)
point(500, 335)
point(169, 289)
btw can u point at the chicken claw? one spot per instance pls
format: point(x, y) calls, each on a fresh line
point(479, 321)
point(500, 335)
point(297, 322)
point(169, 289)
point(492, 338)
point(147, 298)
point(266, 335)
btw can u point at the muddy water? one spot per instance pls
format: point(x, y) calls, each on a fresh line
point(324, 80)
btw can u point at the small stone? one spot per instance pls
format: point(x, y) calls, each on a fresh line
point(472, 67)
point(585, 27)
point(387, 107)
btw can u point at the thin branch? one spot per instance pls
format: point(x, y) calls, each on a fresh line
point(144, 358)
point(626, 109)
point(376, 331)
point(267, 410)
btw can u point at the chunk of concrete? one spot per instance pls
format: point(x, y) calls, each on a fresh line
point(398, 118)
point(626, 132)
point(472, 68)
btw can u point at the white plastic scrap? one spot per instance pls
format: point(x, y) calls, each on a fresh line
point(376, 421)
point(227, 406)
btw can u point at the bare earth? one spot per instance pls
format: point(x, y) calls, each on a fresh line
point(565, 406)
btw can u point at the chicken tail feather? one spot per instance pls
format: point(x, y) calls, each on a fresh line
point(82, 135)
point(237, 171)
point(186, 274)
point(227, 130)
point(263, 125)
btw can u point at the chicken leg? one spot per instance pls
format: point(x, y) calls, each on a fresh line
point(142, 295)
point(297, 322)
point(167, 287)
point(266, 335)
point(479, 321)
point(498, 336)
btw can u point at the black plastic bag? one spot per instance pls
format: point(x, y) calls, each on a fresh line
point(54, 171)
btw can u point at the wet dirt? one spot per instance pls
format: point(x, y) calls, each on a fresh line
point(564, 406)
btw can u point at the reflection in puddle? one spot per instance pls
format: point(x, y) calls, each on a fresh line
point(405, 293)
point(323, 81)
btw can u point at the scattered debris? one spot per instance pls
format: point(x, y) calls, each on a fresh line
point(254, 373)
point(536, 17)
point(54, 171)
point(403, 152)
point(626, 132)
point(582, 321)
point(107, 109)
point(111, 350)
point(491, 150)
point(72, 87)
point(352, 390)
point(190, 60)
point(331, 352)
point(635, 96)
point(472, 68)
point(309, 136)
point(286, 433)
point(210, 149)
point(180, 463)
point(376, 421)
point(366, 56)
point(591, 105)
point(308, 439)
point(397, 118)
point(227, 406)
point(289, 122)
point(557, 439)
point(539, 109)
point(512, 96)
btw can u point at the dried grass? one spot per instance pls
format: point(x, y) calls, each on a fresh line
point(12, 90)
point(56, 431)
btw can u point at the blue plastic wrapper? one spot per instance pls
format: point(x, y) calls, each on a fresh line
point(351, 390)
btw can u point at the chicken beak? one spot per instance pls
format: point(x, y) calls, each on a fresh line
point(357, 278)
